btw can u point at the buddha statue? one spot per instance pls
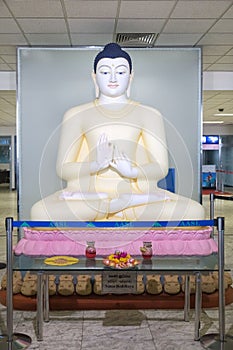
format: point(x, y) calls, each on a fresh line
point(112, 153)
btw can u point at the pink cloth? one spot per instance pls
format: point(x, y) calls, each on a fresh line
point(185, 241)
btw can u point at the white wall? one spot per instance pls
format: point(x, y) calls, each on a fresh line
point(218, 129)
point(218, 81)
point(7, 81)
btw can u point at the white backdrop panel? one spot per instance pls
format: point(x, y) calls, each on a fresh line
point(52, 80)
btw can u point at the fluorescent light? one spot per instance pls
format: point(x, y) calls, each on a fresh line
point(223, 115)
point(214, 122)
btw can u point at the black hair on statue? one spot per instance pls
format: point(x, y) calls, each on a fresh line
point(112, 50)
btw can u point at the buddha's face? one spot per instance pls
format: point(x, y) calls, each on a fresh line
point(113, 76)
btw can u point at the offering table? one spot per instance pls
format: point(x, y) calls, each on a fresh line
point(186, 265)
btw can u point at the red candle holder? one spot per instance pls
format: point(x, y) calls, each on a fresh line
point(90, 250)
point(146, 250)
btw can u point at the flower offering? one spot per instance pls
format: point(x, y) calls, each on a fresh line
point(120, 260)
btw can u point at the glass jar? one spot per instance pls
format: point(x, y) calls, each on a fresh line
point(90, 250)
point(146, 250)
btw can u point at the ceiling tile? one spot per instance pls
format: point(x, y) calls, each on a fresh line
point(223, 26)
point(90, 9)
point(48, 39)
point(139, 25)
point(7, 121)
point(4, 10)
point(4, 118)
point(9, 95)
point(145, 9)
point(217, 39)
point(91, 25)
point(43, 25)
point(188, 25)
point(4, 104)
point(209, 59)
point(229, 13)
point(12, 66)
point(226, 59)
point(7, 49)
point(91, 39)
point(6, 115)
point(9, 58)
point(13, 39)
point(35, 8)
point(205, 66)
point(209, 93)
point(200, 9)
point(177, 39)
point(221, 67)
point(215, 49)
point(8, 25)
point(227, 94)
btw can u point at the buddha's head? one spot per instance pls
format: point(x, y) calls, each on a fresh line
point(112, 71)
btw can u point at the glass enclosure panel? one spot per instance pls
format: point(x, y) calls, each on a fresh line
point(52, 80)
point(156, 264)
point(226, 160)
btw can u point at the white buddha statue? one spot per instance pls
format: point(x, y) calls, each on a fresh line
point(100, 154)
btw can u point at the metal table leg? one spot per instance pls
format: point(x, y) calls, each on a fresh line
point(219, 341)
point(198, 303)
point(40, 306)
point(46, 298)
point(11, 341)
point(187, 298)
point(212, 211)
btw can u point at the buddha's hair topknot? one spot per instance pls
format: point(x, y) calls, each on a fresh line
point(112, 50)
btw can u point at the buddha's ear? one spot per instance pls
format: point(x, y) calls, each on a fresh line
point(129, 86)
point(97, 90)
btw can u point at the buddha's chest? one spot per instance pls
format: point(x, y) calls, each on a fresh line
point(123, 131)
point(114, 132)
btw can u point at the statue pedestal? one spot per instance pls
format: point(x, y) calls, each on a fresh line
point(182, 241)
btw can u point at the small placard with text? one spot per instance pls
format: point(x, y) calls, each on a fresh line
point(119, 282)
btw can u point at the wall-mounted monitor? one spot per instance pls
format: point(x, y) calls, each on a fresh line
point(210, 142)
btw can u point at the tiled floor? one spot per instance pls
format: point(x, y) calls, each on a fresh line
point(118, 329)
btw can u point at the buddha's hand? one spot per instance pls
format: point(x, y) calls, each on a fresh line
point(104, 154)
point(123, 165)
